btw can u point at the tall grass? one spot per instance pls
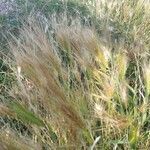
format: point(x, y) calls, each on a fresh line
point(80, 86)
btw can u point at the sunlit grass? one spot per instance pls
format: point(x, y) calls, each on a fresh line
point(76, 86)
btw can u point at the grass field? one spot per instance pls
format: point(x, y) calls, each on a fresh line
point(75, 75)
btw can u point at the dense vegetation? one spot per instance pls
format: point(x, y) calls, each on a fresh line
point(75, 75)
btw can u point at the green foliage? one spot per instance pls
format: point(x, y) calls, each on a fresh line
point(6, 78)
point(53, 135)
point(25, 115)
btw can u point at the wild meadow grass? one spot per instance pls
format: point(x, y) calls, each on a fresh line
point(78, 82)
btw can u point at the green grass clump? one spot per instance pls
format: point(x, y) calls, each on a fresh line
point(79, 86)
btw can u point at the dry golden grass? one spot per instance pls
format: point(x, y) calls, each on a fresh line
point(77, 89)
